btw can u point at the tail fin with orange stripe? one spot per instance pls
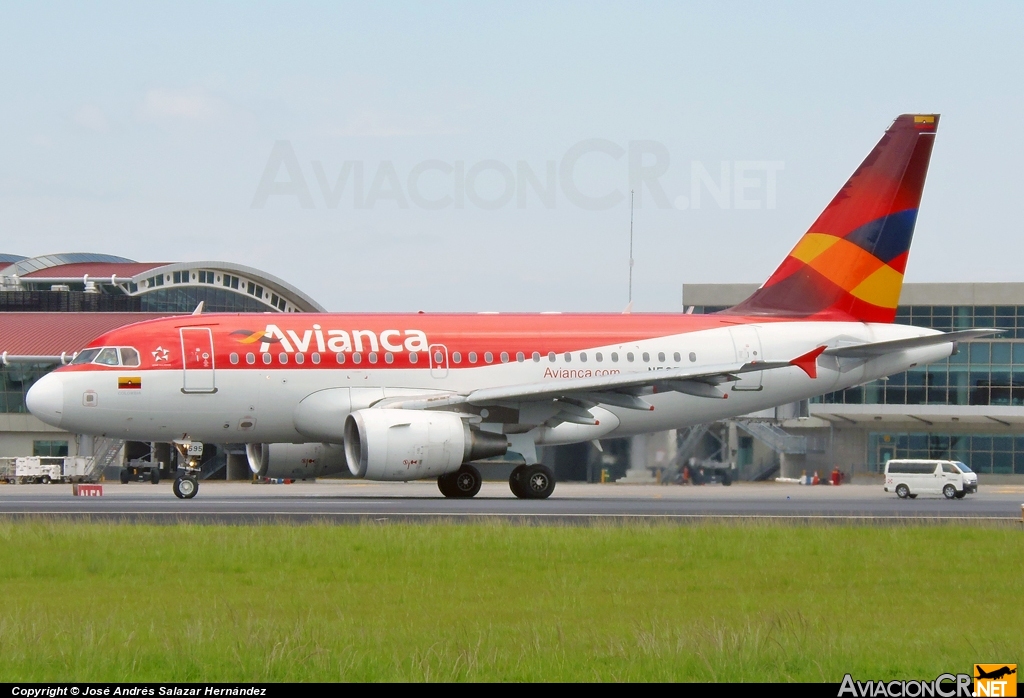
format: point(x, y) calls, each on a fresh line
point(850, 264)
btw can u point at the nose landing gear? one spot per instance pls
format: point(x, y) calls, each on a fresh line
point(187, 486)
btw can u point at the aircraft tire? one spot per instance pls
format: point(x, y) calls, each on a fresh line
point(466, 481)
point(125, 476)
point(515, 481)
point(154, 476)
point(444, 484)
point(538, 482)
point(185, 487)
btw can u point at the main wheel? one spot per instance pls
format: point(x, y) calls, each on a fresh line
point(186, 487)
point(154, 476)
point(125, 476)
point(537, 482)
point(444, 483)
point(902, 491)
point(516, 479)
point(467, 481)
point(949, 491)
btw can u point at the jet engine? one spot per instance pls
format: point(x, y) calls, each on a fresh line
point(296, 461)
point(389, 444)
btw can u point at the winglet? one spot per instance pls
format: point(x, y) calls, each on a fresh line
point(808, 363)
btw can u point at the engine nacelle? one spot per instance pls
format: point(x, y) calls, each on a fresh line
point(409, 445)
point(296, 461)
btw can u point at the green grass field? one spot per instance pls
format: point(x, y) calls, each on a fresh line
point(753, 602)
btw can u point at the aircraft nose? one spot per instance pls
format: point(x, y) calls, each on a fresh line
point(45, 399)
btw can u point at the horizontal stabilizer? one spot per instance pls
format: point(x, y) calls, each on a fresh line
point(863, 351)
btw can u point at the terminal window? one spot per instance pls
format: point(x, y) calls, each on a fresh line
point(50, 449)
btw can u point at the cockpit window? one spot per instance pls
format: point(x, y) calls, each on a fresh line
point(107, 357)
point(85, 356)
point(129, 357)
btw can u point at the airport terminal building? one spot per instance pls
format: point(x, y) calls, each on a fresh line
point(968, 408)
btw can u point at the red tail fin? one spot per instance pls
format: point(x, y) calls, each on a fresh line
point(850, 263)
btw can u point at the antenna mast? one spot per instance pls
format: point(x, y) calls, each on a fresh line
point(630, 247)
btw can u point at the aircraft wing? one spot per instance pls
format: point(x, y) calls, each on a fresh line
point(867, 351)
point(620, 390)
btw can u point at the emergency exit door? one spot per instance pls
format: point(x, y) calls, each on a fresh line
point(747, 343)
point(197, 360)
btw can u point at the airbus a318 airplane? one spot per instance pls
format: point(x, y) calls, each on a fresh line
point(407, 397)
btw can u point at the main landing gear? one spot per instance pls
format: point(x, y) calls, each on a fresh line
point(532, 481)
point(462, 484)
point(526, 482)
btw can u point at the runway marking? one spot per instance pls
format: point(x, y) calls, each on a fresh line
point(850, 517)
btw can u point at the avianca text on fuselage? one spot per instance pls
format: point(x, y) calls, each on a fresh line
point(335, 340)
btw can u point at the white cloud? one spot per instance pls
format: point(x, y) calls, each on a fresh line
point(91, 117)
point(187, 105)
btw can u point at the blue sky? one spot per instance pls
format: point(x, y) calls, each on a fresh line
point(145, 129)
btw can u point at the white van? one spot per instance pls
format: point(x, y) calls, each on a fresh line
point(909, 478)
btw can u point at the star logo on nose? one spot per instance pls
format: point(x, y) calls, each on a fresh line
point(161, 354)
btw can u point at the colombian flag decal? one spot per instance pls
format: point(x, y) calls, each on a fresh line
point(129, 382)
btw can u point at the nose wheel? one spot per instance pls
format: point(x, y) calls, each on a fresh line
point(186, 487)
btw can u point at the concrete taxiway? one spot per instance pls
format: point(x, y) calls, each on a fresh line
point(348, 501)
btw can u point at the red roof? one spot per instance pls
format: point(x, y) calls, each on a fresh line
point(95, 270)
point(51, 334)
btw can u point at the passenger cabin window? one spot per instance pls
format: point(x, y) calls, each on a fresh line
point(472, 357)
point(488, 357)
point(661, 356)
point(107, 357)
point(676, 357)
point(457, 357)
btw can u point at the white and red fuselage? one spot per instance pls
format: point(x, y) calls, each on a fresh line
point(241, 378)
